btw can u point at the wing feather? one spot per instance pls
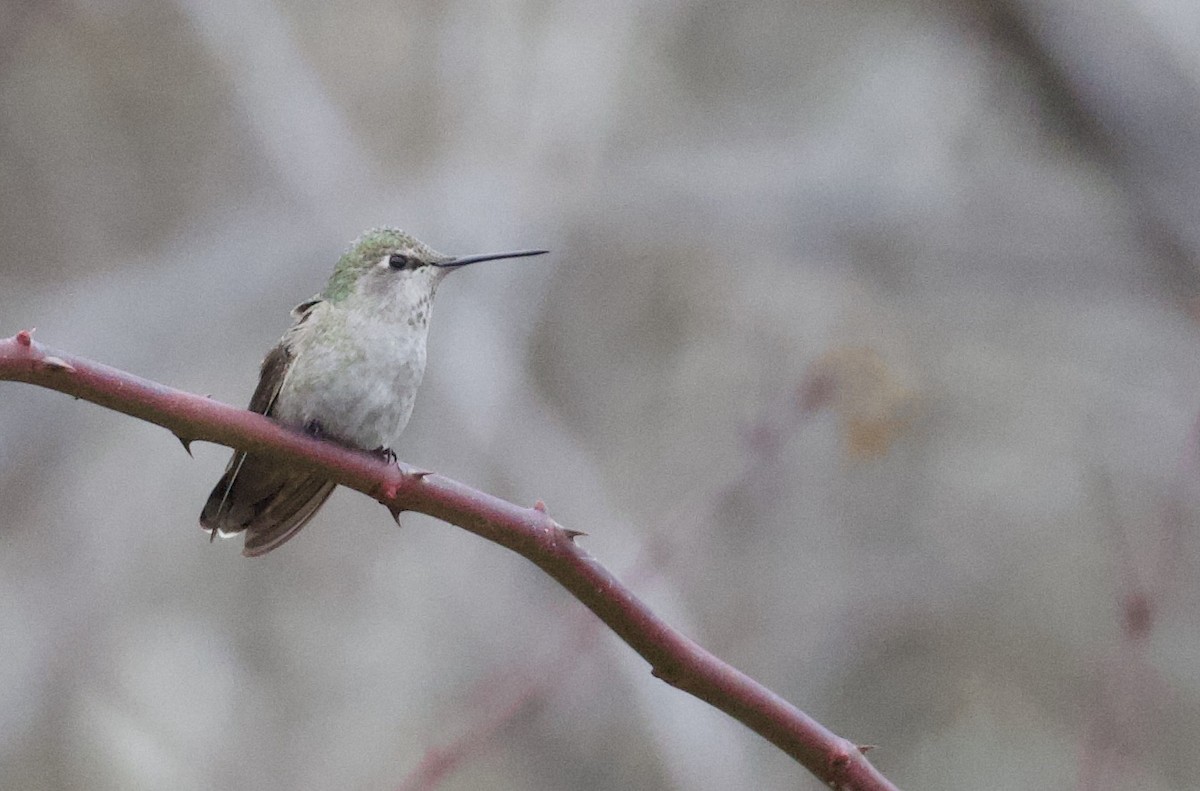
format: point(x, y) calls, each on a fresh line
point(256, 496)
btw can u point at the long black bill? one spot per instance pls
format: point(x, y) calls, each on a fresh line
point(463, 260)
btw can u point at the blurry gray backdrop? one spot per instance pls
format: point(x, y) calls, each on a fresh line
point(866, 353)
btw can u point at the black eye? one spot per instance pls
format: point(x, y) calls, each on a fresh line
point(401, 261)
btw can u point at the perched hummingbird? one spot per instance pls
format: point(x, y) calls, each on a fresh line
point(348, 370)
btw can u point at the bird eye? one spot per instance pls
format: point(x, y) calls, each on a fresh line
point(401, 261)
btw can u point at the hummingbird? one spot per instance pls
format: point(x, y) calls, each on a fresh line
point(347, 371)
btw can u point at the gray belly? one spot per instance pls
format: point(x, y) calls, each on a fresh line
point(363, 398)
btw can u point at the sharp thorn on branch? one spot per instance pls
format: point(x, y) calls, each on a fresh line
point(186, 443)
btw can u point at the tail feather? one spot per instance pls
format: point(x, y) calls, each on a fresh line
point(268, 502)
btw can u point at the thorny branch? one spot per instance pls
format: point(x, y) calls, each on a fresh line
point(531, 532)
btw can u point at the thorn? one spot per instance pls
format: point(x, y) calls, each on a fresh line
point(58, 364)
point(866, 748)
point(572, 534)
point(25, 337)
point(540, 506)
point(669, 672)
point(420, 475)
point(386, 497)
point(187, 444)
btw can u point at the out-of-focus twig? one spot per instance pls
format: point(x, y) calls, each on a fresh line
point(530, 532)
point(1133, 695)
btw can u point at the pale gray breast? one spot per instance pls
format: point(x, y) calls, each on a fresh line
point(361, 388)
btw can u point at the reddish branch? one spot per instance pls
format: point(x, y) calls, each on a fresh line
point(530, 532)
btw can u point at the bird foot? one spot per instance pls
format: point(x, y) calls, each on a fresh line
point(387, 454)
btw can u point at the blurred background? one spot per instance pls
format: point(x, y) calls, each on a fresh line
point(866, 353)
